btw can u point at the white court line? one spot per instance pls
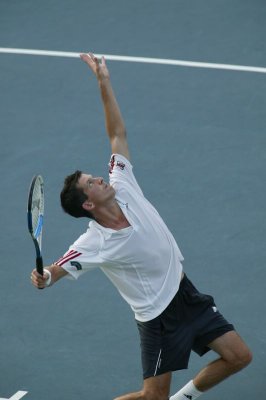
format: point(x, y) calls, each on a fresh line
point(182, 63)
point(16, 396)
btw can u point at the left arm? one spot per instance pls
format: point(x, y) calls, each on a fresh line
point(114, 122)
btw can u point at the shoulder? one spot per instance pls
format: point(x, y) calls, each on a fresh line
point(90, 241)
point(121, 174)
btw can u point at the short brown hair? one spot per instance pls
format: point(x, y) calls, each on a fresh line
point(72, 197)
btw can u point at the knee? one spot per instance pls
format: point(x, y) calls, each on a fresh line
point(240, 360)
point(246, 358)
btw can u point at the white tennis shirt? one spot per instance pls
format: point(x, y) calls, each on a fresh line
point(143, 260)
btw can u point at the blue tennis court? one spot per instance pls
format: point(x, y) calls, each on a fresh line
point(197, 142)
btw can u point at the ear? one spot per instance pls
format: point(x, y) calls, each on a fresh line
point(88, 205)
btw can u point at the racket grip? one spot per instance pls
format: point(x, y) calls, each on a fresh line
point(39, 265)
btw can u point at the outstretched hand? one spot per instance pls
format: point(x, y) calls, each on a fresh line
point(98, 67)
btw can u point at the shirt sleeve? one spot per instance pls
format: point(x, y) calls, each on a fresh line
point(121, 172)
point(76, 262)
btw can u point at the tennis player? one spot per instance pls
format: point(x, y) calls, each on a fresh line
point(128, 240)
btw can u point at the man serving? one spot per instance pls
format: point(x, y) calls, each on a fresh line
point(128, 240)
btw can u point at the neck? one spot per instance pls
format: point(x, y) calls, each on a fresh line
point(111, 217)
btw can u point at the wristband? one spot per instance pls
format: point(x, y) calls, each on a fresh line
point(49, 280)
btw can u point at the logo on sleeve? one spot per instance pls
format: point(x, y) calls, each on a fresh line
point(120, 165)
point(76, 264)
point(113, 163)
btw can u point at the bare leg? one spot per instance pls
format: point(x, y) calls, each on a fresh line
point(235, 356)
point(154, 388)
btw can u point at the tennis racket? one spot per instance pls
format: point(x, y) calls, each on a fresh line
point(35, 217)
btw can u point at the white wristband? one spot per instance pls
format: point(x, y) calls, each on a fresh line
point(48, 281)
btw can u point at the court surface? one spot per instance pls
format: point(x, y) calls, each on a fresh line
point(197, 140)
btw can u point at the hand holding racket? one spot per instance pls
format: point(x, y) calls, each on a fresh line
point(35, 217)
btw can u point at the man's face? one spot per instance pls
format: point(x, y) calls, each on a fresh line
point(98, 191)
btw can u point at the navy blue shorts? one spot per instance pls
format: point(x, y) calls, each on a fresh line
point(190, 322)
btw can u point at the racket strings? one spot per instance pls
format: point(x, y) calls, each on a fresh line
point(37, 209)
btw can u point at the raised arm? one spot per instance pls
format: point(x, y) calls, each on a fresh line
point(114, 123)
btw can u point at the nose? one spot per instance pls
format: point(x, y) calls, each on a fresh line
point(99, 180)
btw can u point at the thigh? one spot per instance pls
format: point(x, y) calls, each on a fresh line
point(151, 346)
point(229, 346)
point(165, 341)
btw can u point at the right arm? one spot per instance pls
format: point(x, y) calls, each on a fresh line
point(40, 282)
point(114, 123)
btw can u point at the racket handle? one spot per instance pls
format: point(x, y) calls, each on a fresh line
point(39, 265)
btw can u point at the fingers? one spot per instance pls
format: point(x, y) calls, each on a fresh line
point(39, 281)
point(94, 58)
point(97, 66)
point(90, 60)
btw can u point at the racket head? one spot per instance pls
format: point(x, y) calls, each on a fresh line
point(35, 216)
